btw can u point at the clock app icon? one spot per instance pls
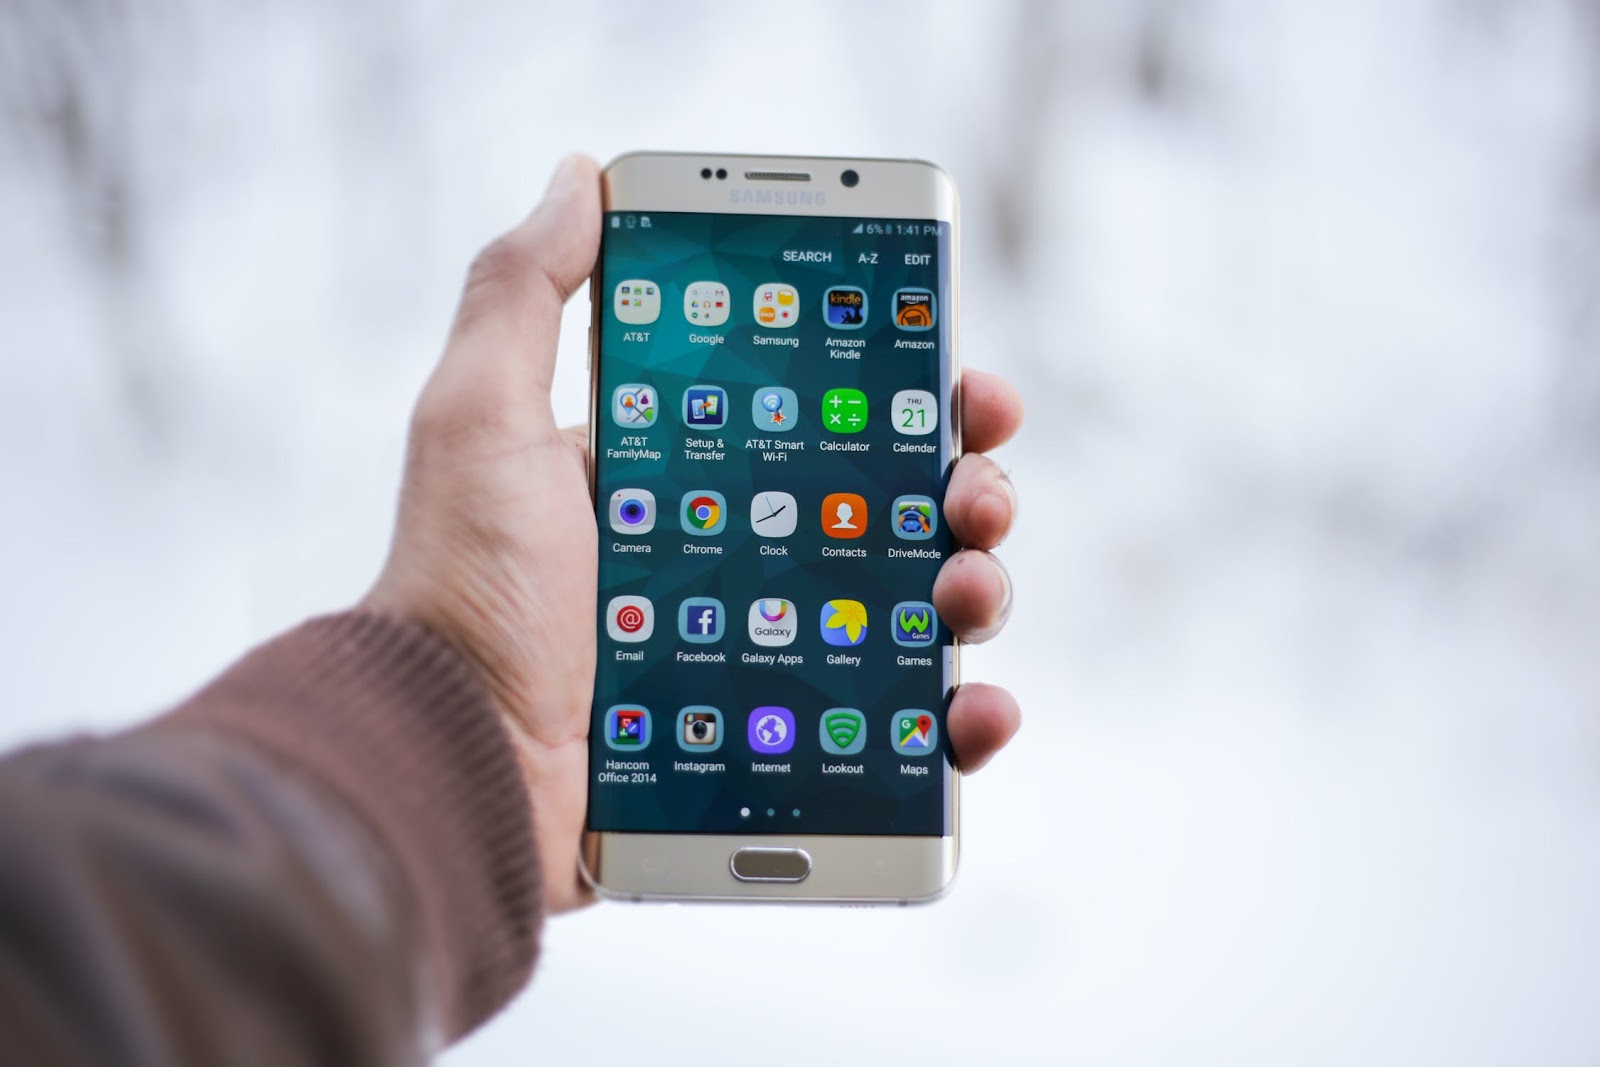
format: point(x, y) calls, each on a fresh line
point(773, 514)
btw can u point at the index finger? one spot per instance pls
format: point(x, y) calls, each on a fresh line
point(991, 411)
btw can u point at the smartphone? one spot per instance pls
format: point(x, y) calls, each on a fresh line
point(773, 423)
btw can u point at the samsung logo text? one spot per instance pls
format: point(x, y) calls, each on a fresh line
point(778, 197)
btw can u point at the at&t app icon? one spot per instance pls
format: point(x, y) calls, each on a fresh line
point(705, 512)
point(637, 301)
point(775, 409)
point(705, 407)
point(773, 622)
point(633, 511)
point(914, 624)
point(701, 620)
point(771, 730)
point(627, 727)
point(633, 406)
point(630, 619)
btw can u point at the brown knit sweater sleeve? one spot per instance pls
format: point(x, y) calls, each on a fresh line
point(324, 857)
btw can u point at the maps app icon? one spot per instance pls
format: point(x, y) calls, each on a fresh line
point(914, 732)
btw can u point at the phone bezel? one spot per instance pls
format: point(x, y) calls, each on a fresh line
point(845, 868)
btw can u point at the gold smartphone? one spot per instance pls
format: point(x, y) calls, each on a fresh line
point(774, 419)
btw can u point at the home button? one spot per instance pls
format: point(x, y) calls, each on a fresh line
point(770, 865)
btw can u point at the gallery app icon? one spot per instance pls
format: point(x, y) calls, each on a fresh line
point(914, 412)
point(844, 515)
point(637, 301)
point(915, 518)
point(771, 730)
point(773, 622)
point(914, 732)
point(844, 623)
point(844, 307)
point(627, 727)
point(630, 619)
point(915, 309)
point(843, 731)
point(705, 407)
point(914, 624)
point(705, 512)
point(633, 511)
point(699, 729)
point(633, 406)
point(777, 306)
point(774, 409)
point(701, 620)
point(773, 514)
point(706, 303)
point(844, 410)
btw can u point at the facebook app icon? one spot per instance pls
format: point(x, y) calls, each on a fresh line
point(700, 620)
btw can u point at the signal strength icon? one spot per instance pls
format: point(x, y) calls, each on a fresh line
point(859, 227)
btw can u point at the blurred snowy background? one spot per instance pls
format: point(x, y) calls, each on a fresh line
point(1306, 300)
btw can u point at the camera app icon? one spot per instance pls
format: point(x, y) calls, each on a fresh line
point(699, 729)
point(633, 511)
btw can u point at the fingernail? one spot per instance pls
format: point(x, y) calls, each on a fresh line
point(561, 180)
point(1008, 492)
point(563, 174)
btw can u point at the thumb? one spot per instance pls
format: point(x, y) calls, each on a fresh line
point(503, 344)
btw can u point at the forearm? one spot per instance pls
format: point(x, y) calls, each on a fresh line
point(325, 856)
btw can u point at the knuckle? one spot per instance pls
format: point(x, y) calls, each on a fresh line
point(502, 263)
point(446, 420)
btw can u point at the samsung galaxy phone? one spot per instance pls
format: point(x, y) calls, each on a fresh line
point(774, 421)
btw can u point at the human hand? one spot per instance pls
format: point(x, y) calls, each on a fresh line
point(495, 547)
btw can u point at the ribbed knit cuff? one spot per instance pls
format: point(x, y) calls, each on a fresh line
point(390, 720)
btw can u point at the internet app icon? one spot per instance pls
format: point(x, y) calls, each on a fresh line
point(844, 623)
point(843, 731)
point(701, 620)
point(775, 409)
point(705, 407)
point(627, 727)
point(915, 518)
point(914, 732)
point(771, 730)
point(705, 512)
point(914, 624)
point(773, 622)
point(633, 406)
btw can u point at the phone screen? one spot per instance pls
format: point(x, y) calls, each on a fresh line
point(773, 437)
